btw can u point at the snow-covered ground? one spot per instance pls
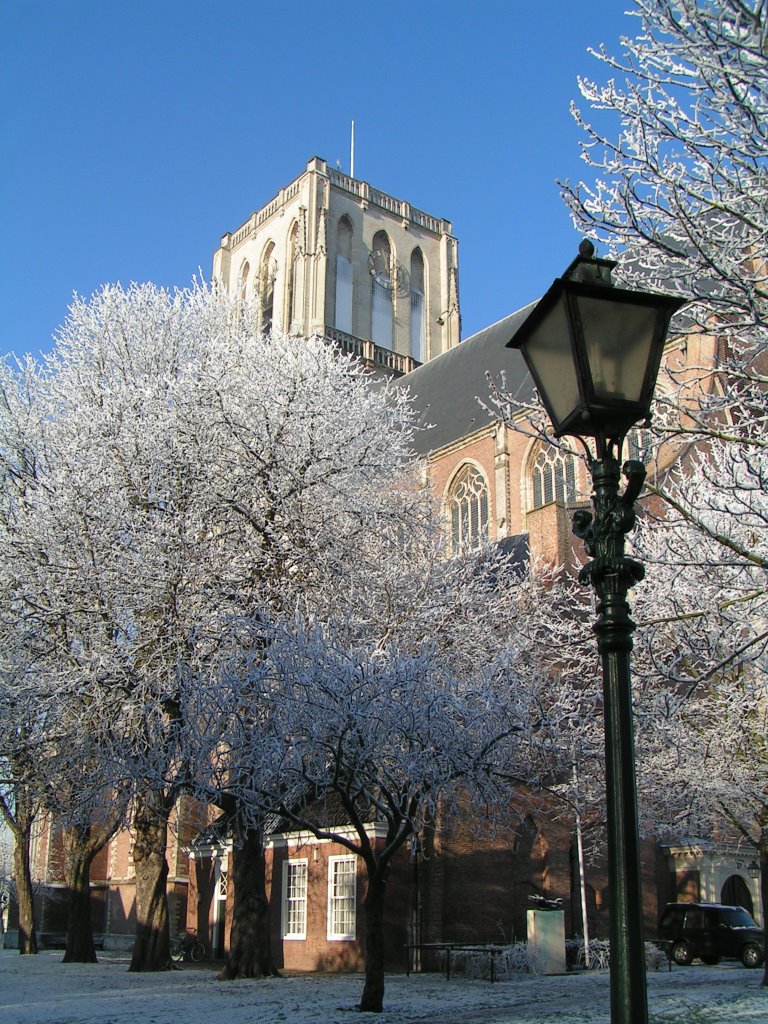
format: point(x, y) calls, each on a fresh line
point(42, 990)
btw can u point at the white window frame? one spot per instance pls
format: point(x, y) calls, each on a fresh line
point(300, 901)
point(335, 903)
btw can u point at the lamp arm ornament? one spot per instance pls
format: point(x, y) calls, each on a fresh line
point(614, 516)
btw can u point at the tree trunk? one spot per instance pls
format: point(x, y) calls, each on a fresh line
point(79, 854)
point(152, 949)
point(763, 855)
point(373, 991)
point(24, 898)
point(250, 944)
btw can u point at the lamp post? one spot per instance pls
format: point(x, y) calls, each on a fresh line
point(594, 352)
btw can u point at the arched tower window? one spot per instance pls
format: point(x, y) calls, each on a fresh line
point(343, 305)
point(468, 505)
point(267, 274)
point(291, 293)
point(381, 295)
point(418, 319)
point(242, 281)
point(553, 477)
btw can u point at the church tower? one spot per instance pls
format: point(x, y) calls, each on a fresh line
point(331, 255)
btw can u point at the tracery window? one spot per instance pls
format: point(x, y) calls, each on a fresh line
point(553, 477)
point(468, 504)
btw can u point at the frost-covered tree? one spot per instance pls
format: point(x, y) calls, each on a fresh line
point(419, 684)
point(676, 141)
point(393, 587)
point(24, 696)
point(88, 584)
point(19, 802)
point(303, 460)
point(703, 634)
point(678, 189)
point(202, 472)
point(373, 737)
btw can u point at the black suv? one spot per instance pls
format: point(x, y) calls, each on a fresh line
point(711, 931)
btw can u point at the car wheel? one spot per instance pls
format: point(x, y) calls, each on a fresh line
point(711, 960)
point(751, 956)
point(681, 953)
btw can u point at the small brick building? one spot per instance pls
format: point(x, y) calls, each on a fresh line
point(455, 883)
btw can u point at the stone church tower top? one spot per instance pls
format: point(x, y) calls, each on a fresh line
point(334, 256)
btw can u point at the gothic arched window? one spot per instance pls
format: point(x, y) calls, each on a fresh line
point(267, 274)
point(418, 321)
point(344, 277)
point(468, 505)
point(242, 283)
point(292, 310)
point(553, 477)
point(381, 294)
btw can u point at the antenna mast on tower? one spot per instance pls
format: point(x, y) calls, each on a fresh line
point(352, 152)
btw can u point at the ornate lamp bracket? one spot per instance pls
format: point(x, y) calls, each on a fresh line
point(604, 531)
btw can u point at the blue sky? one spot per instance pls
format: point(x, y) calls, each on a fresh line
point(134, 133)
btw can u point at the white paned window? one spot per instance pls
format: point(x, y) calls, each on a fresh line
point(342, 897)
point(295, 899)
point(344, 294)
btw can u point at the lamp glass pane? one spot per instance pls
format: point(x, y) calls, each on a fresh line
point(550, 354)
point(618, 337)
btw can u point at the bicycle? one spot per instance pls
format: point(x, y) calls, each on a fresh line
point(186, 946)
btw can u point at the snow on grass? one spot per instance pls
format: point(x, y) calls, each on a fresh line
point(42, 990)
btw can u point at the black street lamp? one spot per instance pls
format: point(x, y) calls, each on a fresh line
point(594, 351)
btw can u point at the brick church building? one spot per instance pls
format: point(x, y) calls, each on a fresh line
point(332, 255)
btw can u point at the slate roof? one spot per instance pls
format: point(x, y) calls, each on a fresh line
point(445, 390)
point(325, 810)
